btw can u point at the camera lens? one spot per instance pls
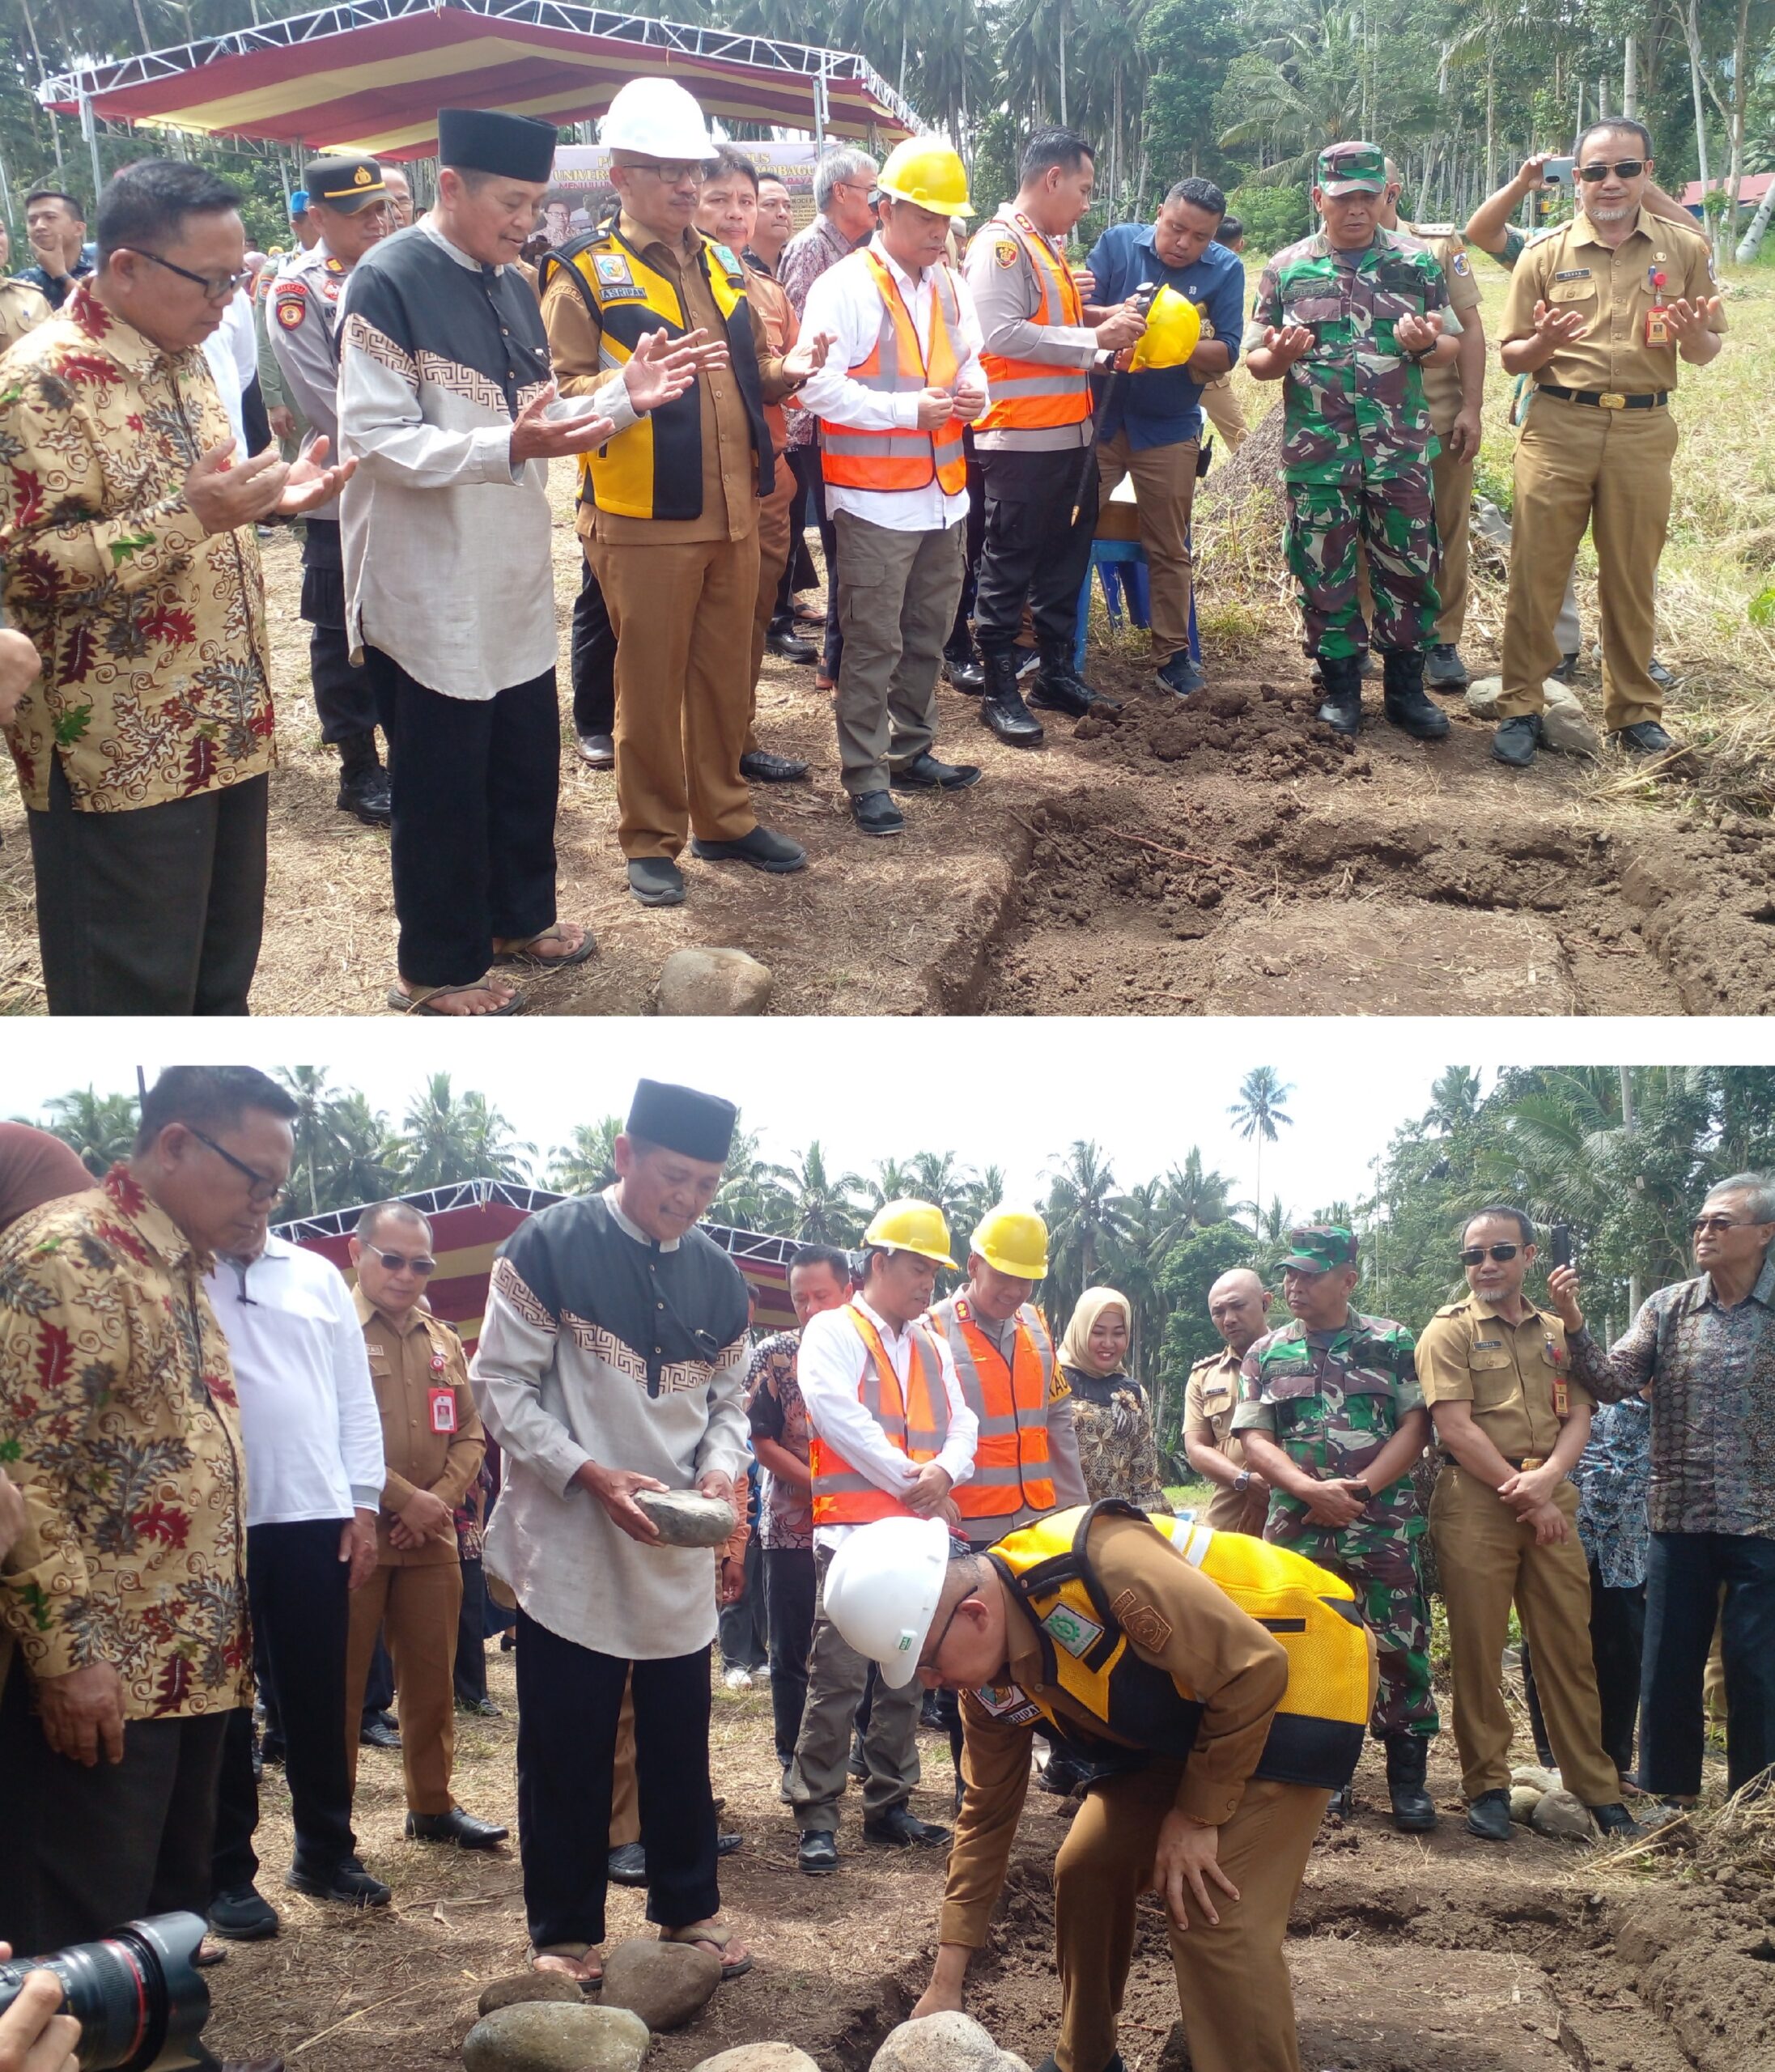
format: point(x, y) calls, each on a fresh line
point(139, 1999)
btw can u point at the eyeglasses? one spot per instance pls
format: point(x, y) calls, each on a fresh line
point(399, 1263)
point(266, 1193)
point(1624, 168)
point(927, 1660)
point(216, 287)
point(1477, 1254)
point(671, 172)
point(1714, 1224)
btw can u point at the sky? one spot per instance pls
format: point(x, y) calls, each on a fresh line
point(1013, 1093)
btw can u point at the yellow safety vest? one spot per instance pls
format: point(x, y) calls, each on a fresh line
point(1316, 1736)
point(654, 469)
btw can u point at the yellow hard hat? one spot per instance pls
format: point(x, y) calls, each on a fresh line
point(911, 1226)
point(1013, 1239)
point(924, 170)
point(1174, 329)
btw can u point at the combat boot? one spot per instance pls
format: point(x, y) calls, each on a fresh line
point(1414, 1811)
point(1059, 688)
point(363, 783)
point(1002, 708)
point(1341, 676)
point(1404, 700)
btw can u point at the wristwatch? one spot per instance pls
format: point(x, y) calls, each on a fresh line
point(1368, 1494)
point(1242, 1480)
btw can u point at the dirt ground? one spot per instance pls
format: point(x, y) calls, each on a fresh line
point(1232, 857)
point(1442, 1954)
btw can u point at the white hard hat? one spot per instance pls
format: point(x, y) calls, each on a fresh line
point(882, 1588)
point(658, 118)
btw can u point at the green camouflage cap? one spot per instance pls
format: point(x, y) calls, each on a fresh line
point(1321, 1248)
point(1353, 169)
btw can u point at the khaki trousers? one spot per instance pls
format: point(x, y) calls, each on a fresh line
point(773, 557)
point(416, 1608)
point(625, 1793)
point(897, 597)
point(1164, 491)
point(1611, 470)
point(836, 1675)
point(1487, 1561)
point(1221, 405)
point(1232, 1979)
point(682, 616)
point(1451, 484)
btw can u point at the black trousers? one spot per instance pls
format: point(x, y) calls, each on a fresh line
point(789, 1598)
point(592, 662)
point(1033, 550)
point(344, 696)
point(82, 1850)
point(157, 910)
point(745, 1628)
point(961, 634)
point(568, 1699)
point(296, 1588)
point(471, 1637)
point(805, 461)
point(1682, 1602)
point(798, 570)
point(474, 782)
point(1617, 1641)
point(255, 422)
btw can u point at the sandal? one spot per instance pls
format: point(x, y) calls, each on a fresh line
point(526, 956)
point(573, 1953)
point(420, 1003)
point(716, 1937)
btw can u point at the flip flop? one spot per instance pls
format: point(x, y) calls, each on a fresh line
point(420, 1003)
point(718, 1938)
point(575, 1953)
point(525, 958)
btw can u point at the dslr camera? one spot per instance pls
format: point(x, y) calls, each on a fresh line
point(140, 2000)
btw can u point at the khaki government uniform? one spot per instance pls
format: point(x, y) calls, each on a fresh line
point(22, 308)
point(772, 303)
point(1608, 466)
point(682, 593)
point(1489, 1561)
point(1221, 405)
point(1232, 1978)
point(1210, 1396)
point(415, 1594)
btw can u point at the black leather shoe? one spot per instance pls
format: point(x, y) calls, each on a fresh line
point(456, 1826)
point(763, 849)
point(1617, 1821)
point(596, 751)
point(856, 1763)
point(1567, 669)
point(1414, 1811)
point(1646, 737)
point(628, 1865)
point(876, 813)
point(1341, 677)
point(373, 1733)
point(655, 881)
point(1002, 708)
point(762, 767)
point(242, 1916)
point(349, 1882)
point(899, 1828)
point(1059, 688)
point(1517, 740)
point(479, 1708)
point(363, 783)
point(1404, 701)
point(790, 646)
point(1443, 668)
point(818, 1851)
point(1662, 677)
point(1180, 675)
point(1489, 1816)
point(964, 671)
point(927, 774)
point(726, 1845)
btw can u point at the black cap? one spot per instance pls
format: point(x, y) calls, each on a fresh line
point(486, 140)
point(679, 1118)
point(344, 183)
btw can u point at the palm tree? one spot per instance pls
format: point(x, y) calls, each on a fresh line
point(751, 1195)
point(441, 1138)
point(307, 1086)
point(363, 1157)
point(936, 1178)
point(1262, 1104)
point(821, 1206)
point(982, 1194)
point(100, 1128)
point(1084, 1220)
point(890, 1180)
point(586, 1163)
point(497, 1155)
point(1194, 1199)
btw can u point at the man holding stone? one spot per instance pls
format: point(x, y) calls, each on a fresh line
point(611, 1362)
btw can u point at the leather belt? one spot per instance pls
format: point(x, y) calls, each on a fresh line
point(1530, 1461)
point(1605, 399)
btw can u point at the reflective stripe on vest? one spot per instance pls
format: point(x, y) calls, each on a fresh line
point(1315, 1737)
point(855, 458)
point(916, 1422)
point(1030, 395)
point(1011, 1457)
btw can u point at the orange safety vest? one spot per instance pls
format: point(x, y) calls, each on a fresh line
point(917, 1422)
point(1033, 395)
point(854, 458)
point(1010, 1468)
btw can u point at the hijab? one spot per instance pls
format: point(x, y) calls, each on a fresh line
point(1076, 1347)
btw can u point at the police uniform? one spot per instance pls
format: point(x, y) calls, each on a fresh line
point(1135, 1655)
point(302, 321)
point(22, 308)
point(1595, 449)
point(1211, 1395)
point(1515, 1380)
point(432, 1439)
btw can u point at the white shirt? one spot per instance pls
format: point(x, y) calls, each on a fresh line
point(308, 1414)
point(846, 301)
point(232, 351)
point(829, 1371)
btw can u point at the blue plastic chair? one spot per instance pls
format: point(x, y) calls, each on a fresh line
point(1121, 569)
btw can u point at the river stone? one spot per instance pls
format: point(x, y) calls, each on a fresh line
point(1560, 1814)
point(713, 982)
point(666, 1983)
point(530, 1985)
point(949, 2042)
point(547, 2036)
point(1541, 1780)
point(686, 1519)
point(1565, 724)
point(759, 2057)
point(1524, 1798)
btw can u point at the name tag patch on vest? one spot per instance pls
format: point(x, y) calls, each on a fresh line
point(1141, 1623)
point(1573, 274)
point(1008, 1703)
point(1072, 1630)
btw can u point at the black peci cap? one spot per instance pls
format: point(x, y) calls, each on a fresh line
point(486, 140)
point(679, 1118)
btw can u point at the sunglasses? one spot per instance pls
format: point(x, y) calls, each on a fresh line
point(1624, 168)
point(399, 1263)
point(1478, 1254)
point(266, 1193)
point(1714, 1224)
point(216, 287)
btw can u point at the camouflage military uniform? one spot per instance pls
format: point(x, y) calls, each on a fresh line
point(1356, 437)
point(1332, 1400)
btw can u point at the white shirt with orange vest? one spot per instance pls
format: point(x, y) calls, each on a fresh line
point(830, 1364)
point(846, 302)
point(1009, 296)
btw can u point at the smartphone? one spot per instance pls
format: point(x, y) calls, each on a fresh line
point(1557, 172)
point(1560, 1244)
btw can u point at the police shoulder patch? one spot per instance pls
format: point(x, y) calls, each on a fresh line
point(1004, 252)
point(1143, 1624)
point(291, 308)
point(1072, 1630)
